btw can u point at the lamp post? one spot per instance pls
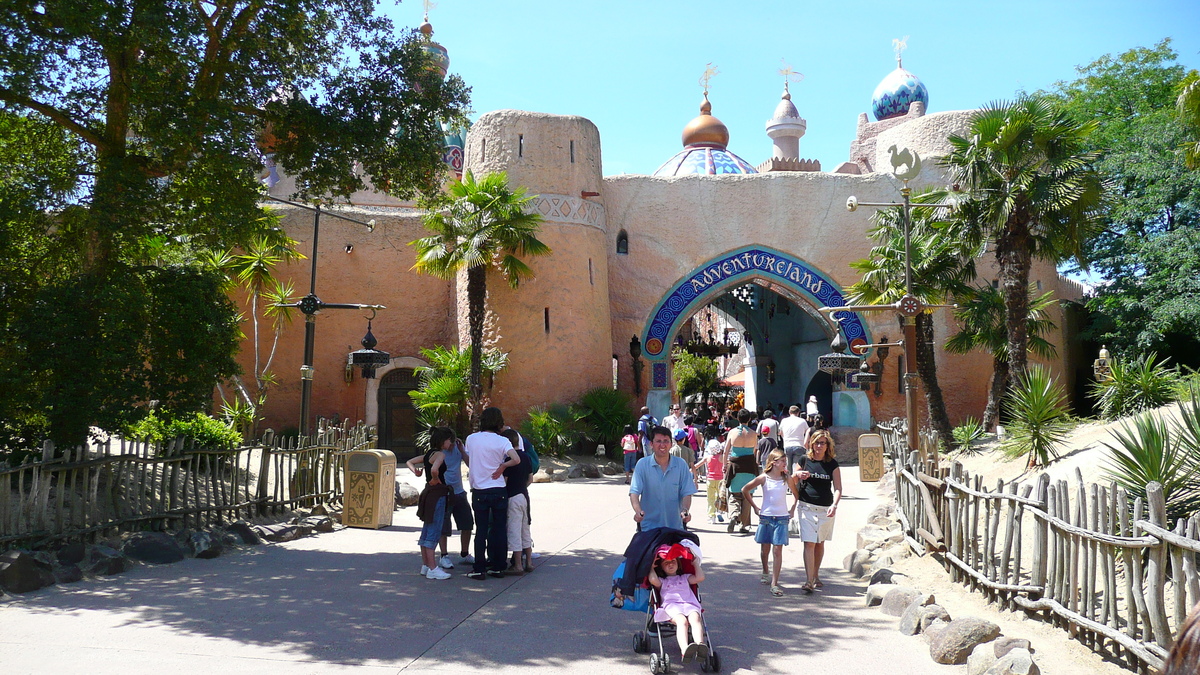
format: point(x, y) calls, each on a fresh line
point(635, 351)
point(311, 305)
point(905, 166)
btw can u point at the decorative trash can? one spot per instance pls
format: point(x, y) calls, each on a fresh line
point(870, 458)
point(370, 489)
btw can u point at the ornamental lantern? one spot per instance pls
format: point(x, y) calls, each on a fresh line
point(838, 361)
point(369, 358)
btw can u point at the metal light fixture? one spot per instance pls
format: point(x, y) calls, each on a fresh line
point(635, 352)
point(368, 358)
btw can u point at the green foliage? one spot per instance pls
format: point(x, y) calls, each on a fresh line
point(980, 314)
point(1135, 385)
point(968, 432)
point(1188, 106)
point(1037, 405)
point(444, 392)
point(695, 374)
point(605, 414)
point(204, 431)
point(555, 429)
point(1151, 449)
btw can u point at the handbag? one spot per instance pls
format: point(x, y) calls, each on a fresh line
point(723, 497)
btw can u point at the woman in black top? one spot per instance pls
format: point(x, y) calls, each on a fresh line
point(819, 482)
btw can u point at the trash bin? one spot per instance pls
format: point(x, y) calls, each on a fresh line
point(870, 458)
point(370, 489)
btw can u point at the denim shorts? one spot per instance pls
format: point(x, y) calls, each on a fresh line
point(431, 532)
point(631, 458)
point(772, 530)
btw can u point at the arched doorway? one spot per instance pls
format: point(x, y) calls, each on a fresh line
point(397, 415)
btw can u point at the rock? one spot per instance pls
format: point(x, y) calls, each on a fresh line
point(856, 562)
point(105, 560)
point(981, 658)
point(875, 593)
point(68, 574)
point(899, 552)
point(917, 617)
point(933, 613)
point(300, 513)
point(157, 548)
point(277, 533)
point(21, 572)
point(898, 599)
point(934, 629)
point(583, 470)
point(883, 562)
point(871, 537)
point(1003, 645)
point(882, 576)
point(1015, 662)
point(541, 477)
point(318, 523)
point(245, 532)
point(406, 495)
point(954, 644)
point(612, 469)
point(320, 510)
point(591, 471)
point(205, 545)
point(558, 476)
point(72, 553)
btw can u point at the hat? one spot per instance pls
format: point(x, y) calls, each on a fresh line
point(681, 434)
point(672, 551)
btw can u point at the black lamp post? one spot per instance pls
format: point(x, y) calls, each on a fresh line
point(635, 351)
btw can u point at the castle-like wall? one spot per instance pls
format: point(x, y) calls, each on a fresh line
point(924, 135)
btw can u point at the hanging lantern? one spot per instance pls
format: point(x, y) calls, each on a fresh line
point(865, 375)
point(838, 361)
point(368, 358)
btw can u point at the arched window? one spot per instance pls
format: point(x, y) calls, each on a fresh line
point(623, 243)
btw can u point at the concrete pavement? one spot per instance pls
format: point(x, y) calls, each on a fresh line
point(352, 601)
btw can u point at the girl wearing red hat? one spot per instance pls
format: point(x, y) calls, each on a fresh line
point(678, 602)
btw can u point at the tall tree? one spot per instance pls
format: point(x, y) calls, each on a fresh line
point(1032, 191)
point(481, 224)
point(941, 267)
point(980, 314)
point(1188, 105)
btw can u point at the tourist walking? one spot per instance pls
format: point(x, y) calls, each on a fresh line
point(674, 420)
point(631, 445)
point(662, 487)
point(773, 515)
point(740, 469)
point(431, 505)
point(490, 454)
point(769, 426)
point(516, 485)
point(819, 484)
point(811, 408)
point(646, 424)
point(713, 464)
point(794, 431)
point(682, 449)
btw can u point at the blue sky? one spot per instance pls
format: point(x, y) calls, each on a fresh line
point(633, 67)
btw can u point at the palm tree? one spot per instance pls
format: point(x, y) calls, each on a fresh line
point(941, 266)
point(1032, 190)
point(254, 270)
point(981, 314)
point(480, 224)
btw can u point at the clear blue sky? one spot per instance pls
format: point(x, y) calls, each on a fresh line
point(633, 67)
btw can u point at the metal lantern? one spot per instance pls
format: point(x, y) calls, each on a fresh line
point(865, 375)
point(369, 358)
point(838, 362)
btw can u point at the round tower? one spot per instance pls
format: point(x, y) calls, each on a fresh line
point(786, 127)
point(555, 327)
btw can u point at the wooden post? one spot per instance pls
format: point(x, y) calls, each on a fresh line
point(1156, 569)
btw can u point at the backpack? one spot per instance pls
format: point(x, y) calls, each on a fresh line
point(645, 424)
point(533, 456)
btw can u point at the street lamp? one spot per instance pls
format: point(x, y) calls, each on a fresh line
point(635, 351)
point(1102, 367)
point(311, 305)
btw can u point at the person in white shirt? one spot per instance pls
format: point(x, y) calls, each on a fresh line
point(674, 421)
point(812, 408)
point(769, 426)
point(490, 454)
point(794, 431)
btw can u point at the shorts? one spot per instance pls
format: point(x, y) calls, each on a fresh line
point(431, 532)
point(815, 526)
point(460, 509)
point(631, 459)
point(772, 530)
point(519, 537)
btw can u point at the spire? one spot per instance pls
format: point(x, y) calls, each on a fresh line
point(706, 129)
point(786, 127)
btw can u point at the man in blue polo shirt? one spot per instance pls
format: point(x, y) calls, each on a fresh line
point(662, 486)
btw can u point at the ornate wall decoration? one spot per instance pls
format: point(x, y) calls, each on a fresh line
point(568, 209)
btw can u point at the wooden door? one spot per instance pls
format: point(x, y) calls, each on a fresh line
point(397, 415)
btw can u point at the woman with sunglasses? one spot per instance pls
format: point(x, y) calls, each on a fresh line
point(819, 481)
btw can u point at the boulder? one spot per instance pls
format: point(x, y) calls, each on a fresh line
point(583, 470)
point(882, 576)
point(318, 523)
point(899, 598)
point(245, 533)
point(899, 552)
point(591, 471)
point(157, 548)
point(68, 574)
point(1016, 662)
point(934, 613)
point(105, 560)
point(1003, 645)
point(278, 533)
point(953, 645)
point(883, 562)
point(871, 537)
point(856, 563)
point(917, 617)
point(21, 572)
point(558, 476)
point(320, 510)
point(934, 629)
point(981, 658)
point(541, 477)
point(406, 495)
point(612, 469)
point(205, 545)
point(71, 553)
point(875, 593)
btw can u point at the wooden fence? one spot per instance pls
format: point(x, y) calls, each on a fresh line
point(1109, 569)
point(93, 490)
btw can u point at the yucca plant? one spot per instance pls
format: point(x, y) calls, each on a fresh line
point(1037, 405)
point(1135, 385)
point(605, 414)
point(1152, 449)
point(968, 432)
point(554, 430)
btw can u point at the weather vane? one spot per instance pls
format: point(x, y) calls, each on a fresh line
point(899, 45)
point(789, 74)
point(710, 71)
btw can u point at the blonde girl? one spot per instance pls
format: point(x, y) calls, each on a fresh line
point(819, 487)
point(774, 514)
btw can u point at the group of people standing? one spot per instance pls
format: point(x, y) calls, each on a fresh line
point(502, 464)
point(743, 456)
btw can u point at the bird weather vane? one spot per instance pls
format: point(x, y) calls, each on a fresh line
point(899, 45)
point(789, 74)
point(710, 71)
point(428, 5)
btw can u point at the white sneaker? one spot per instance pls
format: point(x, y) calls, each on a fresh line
point(424, 570)
point(444, 563)
point(437, 573)
point(467, 559)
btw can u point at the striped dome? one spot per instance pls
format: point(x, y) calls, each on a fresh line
point(709, 160)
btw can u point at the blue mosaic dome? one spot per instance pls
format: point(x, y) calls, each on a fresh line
point(710, 160)
point(896, 94)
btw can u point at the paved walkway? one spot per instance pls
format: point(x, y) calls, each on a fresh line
point(352, 601)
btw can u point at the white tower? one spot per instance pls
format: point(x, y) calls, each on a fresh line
point(785, 128)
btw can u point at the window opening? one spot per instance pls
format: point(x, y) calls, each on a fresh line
point(623, 243)
point(547, 319)
point(591, 277)
point(572, 152)
point(520, 145)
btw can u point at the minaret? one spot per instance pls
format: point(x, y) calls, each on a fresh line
point(786, 127)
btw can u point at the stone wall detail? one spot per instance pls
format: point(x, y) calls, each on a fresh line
point(568, 209)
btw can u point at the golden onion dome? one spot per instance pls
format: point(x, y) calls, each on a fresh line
point(706, 129)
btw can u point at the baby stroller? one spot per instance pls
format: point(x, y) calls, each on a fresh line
point(663, 631)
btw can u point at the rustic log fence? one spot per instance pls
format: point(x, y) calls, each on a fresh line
point(90, 491)
point(1109, 569)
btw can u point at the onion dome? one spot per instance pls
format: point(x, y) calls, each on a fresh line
point(439, 54)
point(704, 149)
point(896, 94)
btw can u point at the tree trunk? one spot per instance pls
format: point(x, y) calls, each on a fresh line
point(1015, 257)
point(476, 308)
point(927, 370)
point(996, 388)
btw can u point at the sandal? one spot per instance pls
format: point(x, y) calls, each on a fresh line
point(818, 585)
point(777, 591)
point(765, 578)
point(807, 588)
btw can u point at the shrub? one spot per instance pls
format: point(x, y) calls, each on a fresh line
point(605, 415)
point(199, 428)
point(1037, 407)
point(554, 430)
point(968, 432)
point(1151, 449)
point(1134, 386)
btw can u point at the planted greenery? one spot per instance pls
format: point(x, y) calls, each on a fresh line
point(1152, 449)
point(444, 392)
point(1136, 385)
point(967, 433)
point(206, 432)
point(605, 414)
point(1037, 405)
point(555, 429)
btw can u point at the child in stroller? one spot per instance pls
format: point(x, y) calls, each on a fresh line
point(675, 607)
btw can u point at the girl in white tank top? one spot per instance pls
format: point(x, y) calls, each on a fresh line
point(774, 514)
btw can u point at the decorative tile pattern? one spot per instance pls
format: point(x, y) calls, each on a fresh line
point(704, 160)
point(658, 378)
point(569, 209)
point(896, 93)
